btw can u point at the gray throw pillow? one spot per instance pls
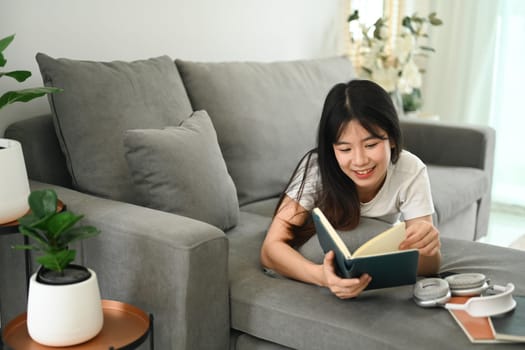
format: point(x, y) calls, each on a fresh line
point(265, 114)
point(100, 101)
point(181, 170)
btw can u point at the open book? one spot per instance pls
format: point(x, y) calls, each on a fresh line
point(380, 257)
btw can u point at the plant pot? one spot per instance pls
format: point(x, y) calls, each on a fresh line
point(14, 186)
point(64, 314)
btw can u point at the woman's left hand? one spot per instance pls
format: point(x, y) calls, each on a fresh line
point(421, 234)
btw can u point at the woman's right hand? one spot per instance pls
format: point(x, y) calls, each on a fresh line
point(343, 288)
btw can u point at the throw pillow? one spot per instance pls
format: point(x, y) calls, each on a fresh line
point(100, 101)
point(181, 170)
point(265, 114)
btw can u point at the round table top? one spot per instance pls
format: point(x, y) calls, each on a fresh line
point(124, 325)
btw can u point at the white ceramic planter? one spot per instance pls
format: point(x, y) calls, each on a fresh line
point(14, 186)
point(64, 315)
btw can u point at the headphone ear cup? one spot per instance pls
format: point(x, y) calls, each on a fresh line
point(431, 289)
point(465, 281)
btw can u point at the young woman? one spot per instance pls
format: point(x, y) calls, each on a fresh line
point(358, 169)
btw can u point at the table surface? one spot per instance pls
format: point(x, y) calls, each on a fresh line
point(124, 325)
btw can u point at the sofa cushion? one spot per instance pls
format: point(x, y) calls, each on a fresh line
point(181, 170)
point(454, 189)
point(100, 101)
point(265, 114)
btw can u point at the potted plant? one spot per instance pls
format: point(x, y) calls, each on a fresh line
point(64, 306)
point(14, 187)
point(395, 63)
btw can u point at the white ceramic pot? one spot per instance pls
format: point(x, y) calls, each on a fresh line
point(64, 315)
point(14, 186)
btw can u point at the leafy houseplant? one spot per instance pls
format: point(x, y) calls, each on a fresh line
point(394, 63)
point(52, 234)
point(14, 186)
point(64, 307)
point(24, 95)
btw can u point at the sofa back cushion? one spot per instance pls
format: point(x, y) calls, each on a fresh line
point(100, 101)
point(265, 114)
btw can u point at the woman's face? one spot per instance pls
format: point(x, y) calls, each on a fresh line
point(364, 158)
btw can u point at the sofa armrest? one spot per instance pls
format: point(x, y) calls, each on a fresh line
point(446, 144)
point(171, 266)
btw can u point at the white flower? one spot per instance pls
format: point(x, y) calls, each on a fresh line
point(404, 47)
point(410, 78)
point(392, 67)
point(386, 77)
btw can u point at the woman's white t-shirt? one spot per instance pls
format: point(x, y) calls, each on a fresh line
point(404, 195)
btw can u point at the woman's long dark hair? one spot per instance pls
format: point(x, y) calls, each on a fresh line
point(371, 106)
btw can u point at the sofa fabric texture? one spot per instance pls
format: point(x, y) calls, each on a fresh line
point(261, 141)
point(181, 170)
point(100, 101)
point(117, 122)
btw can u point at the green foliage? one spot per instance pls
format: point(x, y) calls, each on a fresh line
point(52, 232)
point(412, 101)
point(23, 95)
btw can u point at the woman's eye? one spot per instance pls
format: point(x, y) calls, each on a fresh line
point(345, 150)
point(371, 145)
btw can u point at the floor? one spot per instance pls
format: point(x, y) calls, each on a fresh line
point(506, 226)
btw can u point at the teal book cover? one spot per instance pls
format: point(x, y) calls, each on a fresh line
point(511, 326)
point(379, 257)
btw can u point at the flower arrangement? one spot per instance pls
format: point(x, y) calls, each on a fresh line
point(394, 63)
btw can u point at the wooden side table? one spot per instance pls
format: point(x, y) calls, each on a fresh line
point(125, 327)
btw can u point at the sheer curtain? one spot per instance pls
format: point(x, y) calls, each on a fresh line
point(477, 75)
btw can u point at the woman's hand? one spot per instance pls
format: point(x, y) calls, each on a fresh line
point(343, 288)
point(423, 236)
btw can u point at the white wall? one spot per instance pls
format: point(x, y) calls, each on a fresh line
point(205, 30)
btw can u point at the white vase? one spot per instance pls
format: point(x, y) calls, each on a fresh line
point(64, 315)
point(14, 186)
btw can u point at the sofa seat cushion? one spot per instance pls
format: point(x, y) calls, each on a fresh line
point(100, 101)
point(455, 189)
point(181, 170)
point(265, 114)
point(264, 207)
point(303, 316)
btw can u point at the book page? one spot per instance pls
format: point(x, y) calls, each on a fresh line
point(385, 242)
point(329, 229)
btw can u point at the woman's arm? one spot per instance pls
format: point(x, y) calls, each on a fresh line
point(278, 255)
point(424, 236)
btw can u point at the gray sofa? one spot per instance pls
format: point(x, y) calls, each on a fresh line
point(183, 211)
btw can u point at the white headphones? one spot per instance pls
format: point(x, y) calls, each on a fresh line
point(432, 292)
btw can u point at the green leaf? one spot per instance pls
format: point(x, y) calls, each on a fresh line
point(35, 235)
point(4, 43)
point(18, 75)
point(427, 48)
point(377, 30)
point(407, 23)
point(434, 20)
point(3, 61)
point(354, 16)
point(62, 222)
point(57, 261)
point(43, 202)
point(78, 233)
point(25, 95)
